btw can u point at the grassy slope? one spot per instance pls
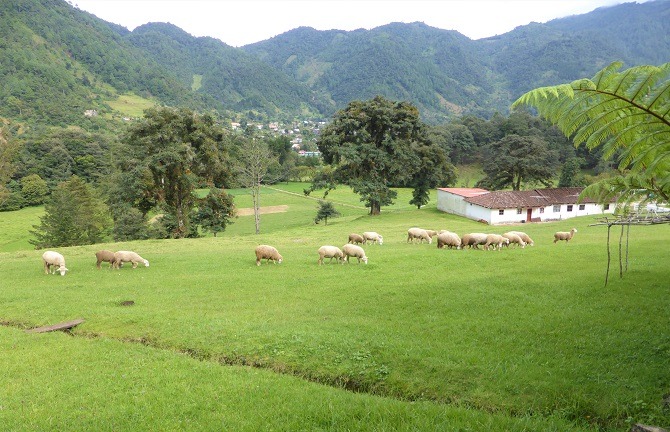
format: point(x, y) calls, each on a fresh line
point(518, 332)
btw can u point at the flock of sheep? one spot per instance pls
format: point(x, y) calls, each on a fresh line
point(445, 238)
point(54, 261)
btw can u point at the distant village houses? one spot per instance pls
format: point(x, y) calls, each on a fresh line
point(499, 207)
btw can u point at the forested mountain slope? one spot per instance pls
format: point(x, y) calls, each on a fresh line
point(444, 72)
point(57, 61)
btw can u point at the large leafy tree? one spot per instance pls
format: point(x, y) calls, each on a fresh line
point(215, 211)
point(517, 160)
point(180, 150)
point(627, 114)
point(371, 147)
point(74, 215)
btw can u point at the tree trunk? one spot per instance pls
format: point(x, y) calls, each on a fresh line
point(375, 208)
point(256, 198)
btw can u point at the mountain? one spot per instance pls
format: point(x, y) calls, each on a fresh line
point(446, 73)
point(56, 62)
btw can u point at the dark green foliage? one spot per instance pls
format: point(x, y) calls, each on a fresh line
point(371, 146)
point(73, 216)
point(215, 211)
point(178, 149)
point(571, 174)
point(517, 160)
point(325, 210)
point(130, 224)
point(434, 171)
point(34, 189)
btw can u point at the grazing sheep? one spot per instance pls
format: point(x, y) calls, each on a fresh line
point(473, 240)
point(267, 253)
point(356, 238)
point(128, 256)
point(525, 237)
point(514, 238)
point(372, 237)
point(432, 233)
point(330, 252)
point(448, 239)
point(496, 240)
point(52, 259)
point(350, 250)
point(104, 256)
point(420, 234)
point(562, 235)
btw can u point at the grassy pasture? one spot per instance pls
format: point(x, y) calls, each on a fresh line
point(427, 339)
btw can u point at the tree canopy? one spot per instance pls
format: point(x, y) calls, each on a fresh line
point(371, 146)
point(627, 114)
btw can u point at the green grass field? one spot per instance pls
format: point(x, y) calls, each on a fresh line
point(418, 339)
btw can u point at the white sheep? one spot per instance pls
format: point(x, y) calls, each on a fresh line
point(448, 239)
point(372, 237)
point(128, 256)
point(496, 240)
point(52, 259)
point(351, 250)
point(420, 234)
point(330, 252)
point(267, 253)
point(562, 235)
point(525, 237)
point(104, 256)
point(432, 233)
point(514, 239)
point(356, 238)
point(473, 240)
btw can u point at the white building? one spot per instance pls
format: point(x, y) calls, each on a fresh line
point(538, 205)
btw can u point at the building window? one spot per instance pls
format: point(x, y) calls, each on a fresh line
point(607, 206)
point(569, 207)
point(557, 208)
point(541, 209)
point(518, 211)
point(501, 212)
point(582, 206)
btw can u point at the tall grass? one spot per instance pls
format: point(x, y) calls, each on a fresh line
point(521, 339)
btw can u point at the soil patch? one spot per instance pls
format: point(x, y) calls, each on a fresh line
point(264, 210)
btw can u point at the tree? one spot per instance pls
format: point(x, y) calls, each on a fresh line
point(72, 216)
point(8, 150)
point(34, 189)
point(434, 170)
point(130, 224)
point(370, 147)
point(255, 159)
point(627, 115)
point(215, 211)
point(325, 210)
point(179, 149)
point(515, 160)
point(571, 173)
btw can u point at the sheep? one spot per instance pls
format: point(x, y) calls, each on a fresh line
point(267, 253)
point(418, 233)
point(351, 250)
point(496, 240)
point(432, 233)
point(52, 259)
point(104, 256)
point(525, 237)
point(128, 256)
point(373, 237)
point(562, 235)
point(449, 239)
point(514, 238)
point(356, 238)
point(472, 240)
point(330, 252)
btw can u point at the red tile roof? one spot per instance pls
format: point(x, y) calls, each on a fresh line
point(529, 198)
point(465, 192)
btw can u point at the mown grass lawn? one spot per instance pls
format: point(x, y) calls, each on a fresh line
point(423, 339)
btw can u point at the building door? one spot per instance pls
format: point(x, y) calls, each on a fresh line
point(529, 214)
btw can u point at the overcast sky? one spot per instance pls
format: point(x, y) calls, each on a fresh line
point(241, 22)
